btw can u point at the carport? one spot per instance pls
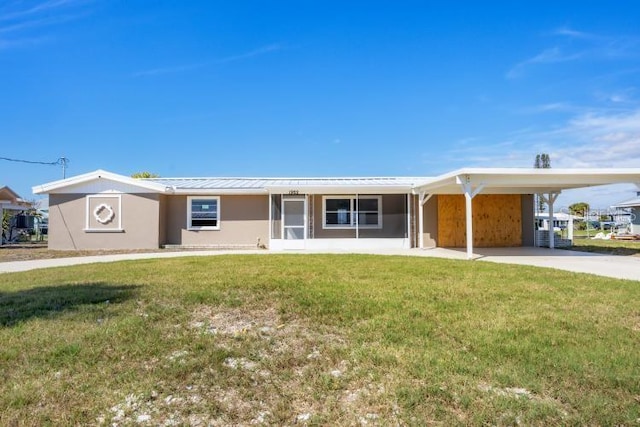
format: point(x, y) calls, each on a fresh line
point(548, 183)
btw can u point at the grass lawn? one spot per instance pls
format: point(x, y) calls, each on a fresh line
point(609, 247)
point(317, 340)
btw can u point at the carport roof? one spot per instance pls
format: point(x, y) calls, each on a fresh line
point(526, 180)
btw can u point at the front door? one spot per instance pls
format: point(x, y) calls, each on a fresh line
point(294, 221)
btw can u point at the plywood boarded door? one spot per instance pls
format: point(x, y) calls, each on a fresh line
point(497, 220)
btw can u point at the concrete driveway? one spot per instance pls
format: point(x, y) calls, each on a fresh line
point(621, 267)
point(617, 266)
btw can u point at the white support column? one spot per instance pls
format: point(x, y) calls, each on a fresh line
point(469, 194)
point(549, 200)
point(469, 220)
point(409, 218)
point(423, 199)
point(421, 221)
point(270, 220)
point(357, 212)
point(570, 227)
point(552, 198)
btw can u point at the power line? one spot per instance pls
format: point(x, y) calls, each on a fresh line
point(62, 161)
point(57, 162)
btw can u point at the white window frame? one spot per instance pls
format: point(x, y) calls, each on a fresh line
point(353, 213)
point(89, 213)
point(189, 218)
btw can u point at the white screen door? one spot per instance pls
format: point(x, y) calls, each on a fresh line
point(294, 222)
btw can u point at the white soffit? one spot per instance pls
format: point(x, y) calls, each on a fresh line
point(526, 181)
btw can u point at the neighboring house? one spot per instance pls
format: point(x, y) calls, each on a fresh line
point(634, 207)
point(561, 221)
point(103, 210)
point(11, 202)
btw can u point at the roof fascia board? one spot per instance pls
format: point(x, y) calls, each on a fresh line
point(537, 180)
point(95, 175)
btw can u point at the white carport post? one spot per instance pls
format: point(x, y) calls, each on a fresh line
point(357, 210)
point(270, 219)
point(469, 194)
point(422, 198)
point(549, 200)
point(570, 227)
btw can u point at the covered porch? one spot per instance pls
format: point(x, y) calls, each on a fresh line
point(340, 214)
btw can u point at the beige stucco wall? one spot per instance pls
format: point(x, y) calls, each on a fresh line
point(243, 221)
point(162, 222)
point(394, 219)
point(68, 217)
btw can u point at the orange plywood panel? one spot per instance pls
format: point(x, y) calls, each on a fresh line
point(497, 220)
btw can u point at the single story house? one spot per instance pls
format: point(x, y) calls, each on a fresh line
point(634, 206)
point(482, 207)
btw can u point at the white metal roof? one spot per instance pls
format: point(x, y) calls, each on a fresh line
point(285, 185)
point(492, 180)
point(628, 203)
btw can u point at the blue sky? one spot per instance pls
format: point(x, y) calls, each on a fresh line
point(300, 88)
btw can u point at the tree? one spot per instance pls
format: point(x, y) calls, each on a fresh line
point(6, 224)
point(543, 161)
point(144, 174)
point(580, 208)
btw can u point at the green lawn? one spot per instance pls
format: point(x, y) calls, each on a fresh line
point(317, 340)
point(608, 247)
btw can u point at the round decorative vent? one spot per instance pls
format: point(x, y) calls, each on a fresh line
point(103, 213)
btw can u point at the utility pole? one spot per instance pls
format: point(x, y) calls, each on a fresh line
point(63, 161)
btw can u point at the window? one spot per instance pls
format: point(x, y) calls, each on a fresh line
point(347, 211)
point(203, 213)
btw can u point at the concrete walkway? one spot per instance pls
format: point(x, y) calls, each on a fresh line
point(621, 267)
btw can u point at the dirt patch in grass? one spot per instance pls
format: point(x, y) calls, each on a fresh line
point(273, 371)
point(27, 252)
